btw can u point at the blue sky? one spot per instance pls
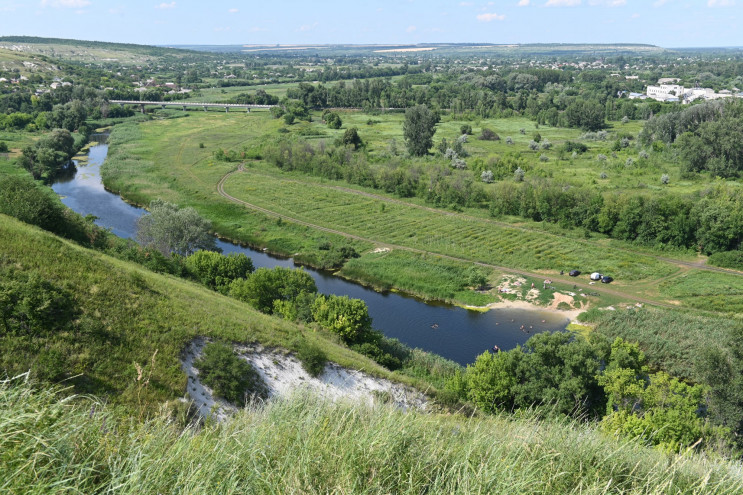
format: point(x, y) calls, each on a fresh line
point(668, 23)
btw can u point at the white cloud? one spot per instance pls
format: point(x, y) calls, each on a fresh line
point(75, 4)
point(635, 15)
point(490, 17)
point(660, 3)
point(523, 3)
point(411, 29)
point(609, 3)
point(562, 3)
point(720, 3)
point(164, 5)
point(233, 11)
point(307, 27)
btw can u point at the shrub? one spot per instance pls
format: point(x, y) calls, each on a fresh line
point(628, 162)
point(544, 158)
point(3, 147)
point(522, 131)
point(465, 129)
point(546, 144)
point(625, 119)
point(488, 135)
point(665, 179)
point(344, 316)
point(603, 175)
point(643, 154)
point(537, 137)
point(518, 174)
point(574, 147)
point(487, 176)
point(230, 376)
point(601, 157)
point(727, 259)
point(533, 145)
point(459, 164)
point(216, 270)
point(313, 358)
point(22, 198)
point(509, 140)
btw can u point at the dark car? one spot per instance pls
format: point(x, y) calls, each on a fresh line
point(606, 279)
point(574, 273)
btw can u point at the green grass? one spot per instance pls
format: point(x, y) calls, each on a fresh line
point(425, 276)
point(467, 238)
point(673, 340)
point(303, 445)
point(127, 314)
point(702, 290)
point(162, 159)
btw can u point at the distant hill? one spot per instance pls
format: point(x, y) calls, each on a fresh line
point(88, 51)
point(438, 49)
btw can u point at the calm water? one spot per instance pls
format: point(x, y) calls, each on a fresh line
point(459, 334)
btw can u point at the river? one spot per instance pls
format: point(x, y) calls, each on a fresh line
point(455, 333)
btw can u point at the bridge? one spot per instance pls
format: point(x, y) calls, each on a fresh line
point(185, 104)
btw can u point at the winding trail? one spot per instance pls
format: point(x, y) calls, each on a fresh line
point(270, 213)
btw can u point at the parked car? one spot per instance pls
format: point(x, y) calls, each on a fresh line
point(595, 276)
point(574, 273)
point(606, 279)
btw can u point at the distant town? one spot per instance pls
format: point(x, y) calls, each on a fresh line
point(668, 91)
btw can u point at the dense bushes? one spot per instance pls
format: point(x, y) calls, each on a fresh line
point(50, 155)
point(730, 259)
point(231, 377)
point(565, 375)
point(217, 271)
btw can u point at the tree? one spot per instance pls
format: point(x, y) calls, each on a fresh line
point(418, 129)
point(266, 286)
point(216, 270)
point(171, 229)
point(344, 316)
point(351, 138)
point(333, 120)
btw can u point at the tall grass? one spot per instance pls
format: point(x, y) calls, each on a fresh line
point(304, 445)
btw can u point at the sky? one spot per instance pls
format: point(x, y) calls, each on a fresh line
point(667, 23)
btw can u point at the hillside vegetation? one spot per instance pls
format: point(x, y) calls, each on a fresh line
point(108, 316)
point(308, 446)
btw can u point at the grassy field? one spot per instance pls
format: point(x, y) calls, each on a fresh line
point(307, 446)
point(127, 314)
point(164, 159)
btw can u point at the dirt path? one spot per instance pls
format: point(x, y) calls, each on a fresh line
point(565, 280)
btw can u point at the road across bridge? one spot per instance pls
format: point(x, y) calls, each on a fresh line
point(185, 104)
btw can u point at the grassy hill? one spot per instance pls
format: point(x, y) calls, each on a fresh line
point(307, 446)
point(124, 315)
point(86, 51)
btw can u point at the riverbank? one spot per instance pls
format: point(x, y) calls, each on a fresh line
point(571, 314)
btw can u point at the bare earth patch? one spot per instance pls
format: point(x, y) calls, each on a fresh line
point(283, 375)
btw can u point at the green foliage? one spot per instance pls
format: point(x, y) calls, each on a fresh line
point(3, 147)
point(351, 138)
point(665, 412)
point(33, 306)
point(729, 259)
point(216, 270)
point(265, 286)
point(418, 129)
point(231, 377)
point(22, 198)
point(49, 155)
point(169, 228)
point(333, 120)
point(312, 357)
point(349, 318)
